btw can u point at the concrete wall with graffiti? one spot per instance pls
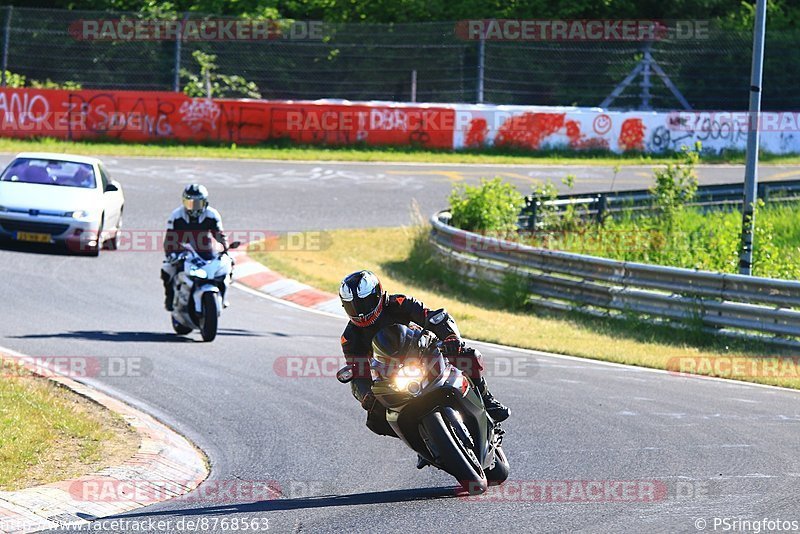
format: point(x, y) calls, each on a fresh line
point(586, 128)
point(152, 116)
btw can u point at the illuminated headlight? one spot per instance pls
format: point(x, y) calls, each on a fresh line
point(198, 273)
point(408, 378)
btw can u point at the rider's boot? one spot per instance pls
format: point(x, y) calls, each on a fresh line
point(496, 410)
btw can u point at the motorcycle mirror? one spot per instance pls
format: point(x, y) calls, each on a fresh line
point(345, 374)
point(235, 244)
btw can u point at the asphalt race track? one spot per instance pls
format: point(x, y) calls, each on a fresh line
point(711, 448)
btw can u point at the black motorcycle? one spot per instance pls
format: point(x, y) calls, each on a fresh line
point(436, 410)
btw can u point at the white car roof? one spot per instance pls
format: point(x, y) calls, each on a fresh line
point(60, 157)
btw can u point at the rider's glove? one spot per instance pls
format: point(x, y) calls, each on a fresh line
point(368, 402)
point(452, 346)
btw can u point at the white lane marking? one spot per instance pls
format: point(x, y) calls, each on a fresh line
point(283, 287)
point(588, 362)
point(246, 269)
point(744, 400)
point(257, 293)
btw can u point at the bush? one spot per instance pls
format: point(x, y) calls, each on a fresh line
point(18, 81)
point(493, 206)
point(676, 185)
point(211, 84)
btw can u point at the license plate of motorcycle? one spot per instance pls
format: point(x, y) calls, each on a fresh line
point(34, 237)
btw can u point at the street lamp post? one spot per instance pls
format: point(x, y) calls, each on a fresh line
point(751, 166)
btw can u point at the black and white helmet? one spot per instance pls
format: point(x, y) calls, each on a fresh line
point(362, 297)
point(195, 200)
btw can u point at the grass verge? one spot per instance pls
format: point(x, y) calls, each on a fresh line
point(401, 258)
point(708, 241)
point(49, 433)
point(283, 151)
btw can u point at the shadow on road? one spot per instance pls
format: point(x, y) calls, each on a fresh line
point(146, 337)
point(35, 248)
point(321, 501)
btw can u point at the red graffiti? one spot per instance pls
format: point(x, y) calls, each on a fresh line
point(149, 116)
point(631, 136)
point(574, 133)
point(529, 129)
point(593, 143)
point(476, 135)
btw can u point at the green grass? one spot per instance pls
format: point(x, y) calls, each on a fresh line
point(707, 241)
point(283, 151)
point(401, 258)
point(48, 433)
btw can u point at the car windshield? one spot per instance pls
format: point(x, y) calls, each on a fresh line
point(50, 172)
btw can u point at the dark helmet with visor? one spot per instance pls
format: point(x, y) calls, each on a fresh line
point(362, 297)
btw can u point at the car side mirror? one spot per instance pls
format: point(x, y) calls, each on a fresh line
point(111, 186)
point(345, 374)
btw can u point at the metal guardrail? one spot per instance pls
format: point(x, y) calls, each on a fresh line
point(600, 205)
point(726, 303)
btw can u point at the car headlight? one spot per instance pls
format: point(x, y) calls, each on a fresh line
point(78, 214)
point(198, 273)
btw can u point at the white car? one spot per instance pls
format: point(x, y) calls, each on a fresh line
point(49, 198)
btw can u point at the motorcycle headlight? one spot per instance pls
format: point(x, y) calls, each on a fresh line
point(408, 378)
point(198, 273)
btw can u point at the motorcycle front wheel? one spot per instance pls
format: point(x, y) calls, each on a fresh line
point(498, 473)
point(208, 323)
point(453, 455)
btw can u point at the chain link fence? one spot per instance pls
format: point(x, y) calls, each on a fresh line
point(423, 62)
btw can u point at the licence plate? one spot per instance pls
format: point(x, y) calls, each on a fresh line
point(31, 236)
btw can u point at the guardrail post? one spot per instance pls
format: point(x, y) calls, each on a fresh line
point(534, 215)
point(602, 204)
